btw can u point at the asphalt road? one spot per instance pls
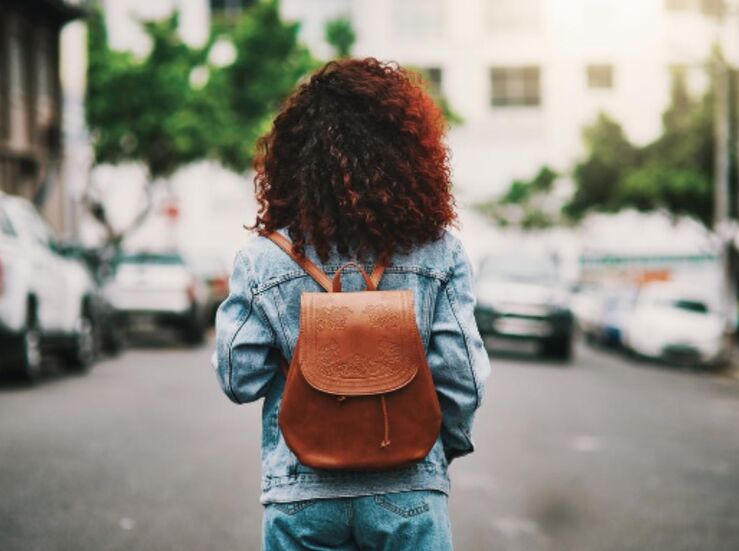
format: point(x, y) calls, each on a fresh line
point(145, 453)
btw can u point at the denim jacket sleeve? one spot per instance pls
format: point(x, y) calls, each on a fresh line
point(457, 358)
point(245, 359)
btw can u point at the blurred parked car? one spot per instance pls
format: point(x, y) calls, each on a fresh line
point(215, 273)
point(678, 325)
point(108, 324)
point(601, 311)
point(618, 304)
point(46, 299)
point(587, 307)
point(159, 288)
point(522, 297)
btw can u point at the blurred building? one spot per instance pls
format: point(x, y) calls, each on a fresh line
point(636, 247)
point(526, 76)
point(31, 101)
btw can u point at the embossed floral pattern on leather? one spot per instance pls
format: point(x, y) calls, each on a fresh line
point(348, 364)
point(332, 317)
point(359, 343)
point(383, 315)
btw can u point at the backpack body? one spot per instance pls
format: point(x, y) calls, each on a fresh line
point(359, 393)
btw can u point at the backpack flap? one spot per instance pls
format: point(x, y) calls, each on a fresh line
point(359, 343)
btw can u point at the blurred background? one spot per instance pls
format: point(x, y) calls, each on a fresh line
point(595, 160)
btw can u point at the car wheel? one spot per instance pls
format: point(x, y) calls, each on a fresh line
point(193, 332)
point(113, 343)
point(559, 348)
point(113, 338)
point(84, 345)
point(29, 350)
point(635, 357)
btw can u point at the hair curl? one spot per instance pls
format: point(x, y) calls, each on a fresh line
point(355, 159)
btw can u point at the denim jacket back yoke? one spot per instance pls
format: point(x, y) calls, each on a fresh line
point(259, 321)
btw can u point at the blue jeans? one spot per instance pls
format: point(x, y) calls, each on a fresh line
point(417, 520)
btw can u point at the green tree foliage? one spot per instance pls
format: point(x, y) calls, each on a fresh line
point(526, 203)
point(524, 190)
point(340, 35)
point(674, 172)
point(677, 190)
point(610, 156)
point(269, 63)
point(151, 111)
point(142, 110)
point(451, 116)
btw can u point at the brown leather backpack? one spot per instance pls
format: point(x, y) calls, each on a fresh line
point(359, 393)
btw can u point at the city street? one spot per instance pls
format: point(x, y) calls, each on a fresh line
point(144, 452)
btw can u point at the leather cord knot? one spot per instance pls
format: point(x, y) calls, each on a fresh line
point(386, 420)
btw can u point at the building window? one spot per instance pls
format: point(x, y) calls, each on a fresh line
point(715, 8)
point(414, 19)
point(229, 8)
point(678, 5)
point(20, 69)
point(516, 86)
point(433, 76)
point(600, 76)
point(44, 67)
point(513, 15)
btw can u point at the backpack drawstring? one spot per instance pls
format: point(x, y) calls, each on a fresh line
point(385, 441)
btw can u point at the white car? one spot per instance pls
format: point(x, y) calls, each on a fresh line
point(521, 297)
point(45, 298)
point(678, 325)
point(159, 288)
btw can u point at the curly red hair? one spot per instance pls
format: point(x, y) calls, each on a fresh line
point(355, 159)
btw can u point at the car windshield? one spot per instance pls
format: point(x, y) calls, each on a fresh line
point(684, 304)
point(520, 269)
point(158, 259)
point(678, 303)
point(34, 225)
point(5, 224)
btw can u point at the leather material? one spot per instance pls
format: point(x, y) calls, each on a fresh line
point(359, 393)
point(325, 432)
point(311, 269)
point(361, 343)
point(314, 271)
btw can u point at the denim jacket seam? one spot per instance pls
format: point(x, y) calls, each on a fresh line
point(265, 320)
point(451, 297)
point(243, 318)
point(274, 281)
point(292, 478)
point(419, 270)
point(427, 310)
point(284, 326)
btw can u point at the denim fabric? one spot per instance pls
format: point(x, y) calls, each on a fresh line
point(390, 522)
point(260, 320)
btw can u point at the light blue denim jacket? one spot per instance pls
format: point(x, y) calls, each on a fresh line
point(259, 321)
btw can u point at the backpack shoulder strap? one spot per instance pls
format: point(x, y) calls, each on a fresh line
point(314, 271)
point(377, 273)
point(310, 268)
